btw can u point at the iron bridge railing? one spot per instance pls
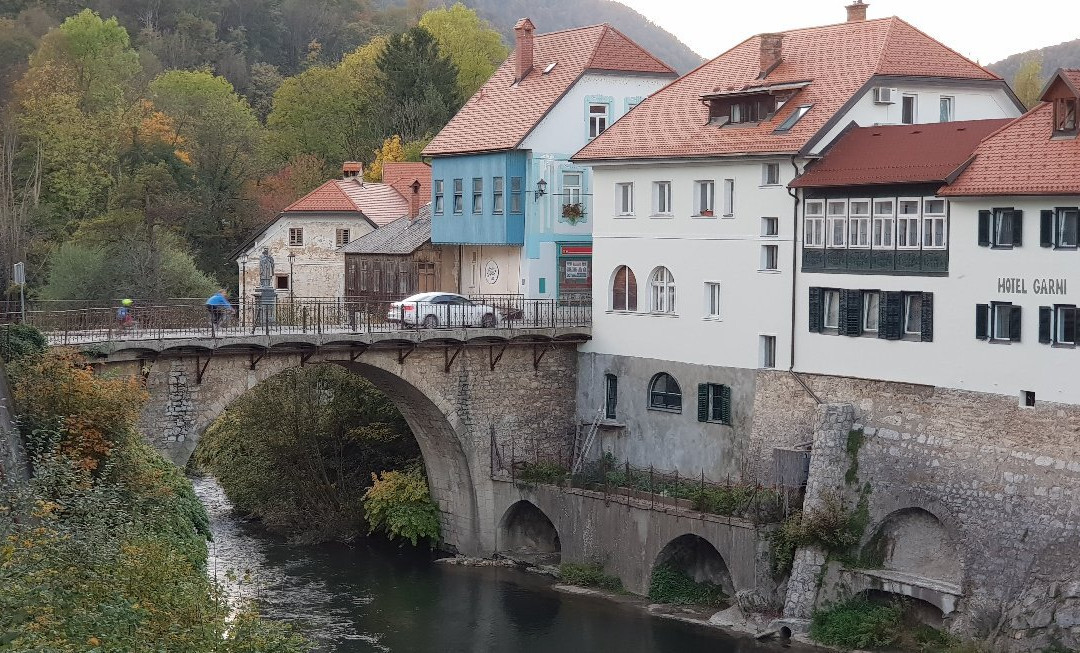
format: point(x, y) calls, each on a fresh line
point(186, 319)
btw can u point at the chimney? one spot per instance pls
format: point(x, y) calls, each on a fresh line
point(856, 11)
point(523, 50)
point(351, 169)
point(414, 200)
point(772, 50)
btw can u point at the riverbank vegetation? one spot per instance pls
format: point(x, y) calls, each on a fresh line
point(669, 584)
point(105, 548)
point(589, 575)
point(300, 451)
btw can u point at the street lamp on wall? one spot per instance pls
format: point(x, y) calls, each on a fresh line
point(292, 255)
point(541, 190)
point(243, 283)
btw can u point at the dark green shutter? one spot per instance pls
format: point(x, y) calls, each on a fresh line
point(1014, 324)
point(851, 312)
point(703, 402)
point(841, 312)
point(1018, 228)
point(893, 324)
point(815, 310)
point(927, 326)
point(982, 315)
point(1076, 324)
point(725, 404)
point(1046, 228)
point(1045, 315)
point(984, 228)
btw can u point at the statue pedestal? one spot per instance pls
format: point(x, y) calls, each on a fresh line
point(265, 302)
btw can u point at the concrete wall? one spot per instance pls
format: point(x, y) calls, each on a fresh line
point(453, 415)
point(1003, 482)
point(490, 270)
point(667, 440)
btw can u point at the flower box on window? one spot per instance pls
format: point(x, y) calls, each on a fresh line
point(707, 213)
point(573, 212)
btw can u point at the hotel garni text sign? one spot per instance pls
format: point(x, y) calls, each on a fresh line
point(1035, 286)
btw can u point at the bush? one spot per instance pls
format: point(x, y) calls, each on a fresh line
point(19, 341)
point(669, 584)
point(400, 505)
point(858, 623)
point(832, 527)
point(542, 472)
point(589, 575)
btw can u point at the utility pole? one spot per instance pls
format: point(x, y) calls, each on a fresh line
point(19, 276)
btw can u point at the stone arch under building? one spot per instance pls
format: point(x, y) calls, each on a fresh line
point(526, 533)
point(915, 541)
point(698, 559)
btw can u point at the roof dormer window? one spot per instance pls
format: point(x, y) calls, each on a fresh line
point(749, 105)
point(1065, 117)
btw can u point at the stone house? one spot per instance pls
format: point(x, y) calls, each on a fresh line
point(306, 237)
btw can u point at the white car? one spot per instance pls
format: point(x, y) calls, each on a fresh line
point(432, 310)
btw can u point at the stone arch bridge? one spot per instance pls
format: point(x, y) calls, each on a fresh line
point(462, 392)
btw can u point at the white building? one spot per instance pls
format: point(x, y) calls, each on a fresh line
point(695, 228)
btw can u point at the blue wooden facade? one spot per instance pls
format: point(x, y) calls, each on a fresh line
point(480, 199)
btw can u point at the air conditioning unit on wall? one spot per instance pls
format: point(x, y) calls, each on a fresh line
point(884, 95)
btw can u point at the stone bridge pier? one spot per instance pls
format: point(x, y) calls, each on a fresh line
point(456, 397)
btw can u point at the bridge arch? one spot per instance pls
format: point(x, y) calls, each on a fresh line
point(697, 558)
point(526, 532)
point(915, 541)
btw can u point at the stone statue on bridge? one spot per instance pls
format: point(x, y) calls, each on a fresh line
point(266, 269)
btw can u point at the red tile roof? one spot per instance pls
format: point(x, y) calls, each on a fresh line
point(401, 175)
point(898, 154)
point(838, 60)
point(380, 203)
point(501, 114)
point(1022, 159)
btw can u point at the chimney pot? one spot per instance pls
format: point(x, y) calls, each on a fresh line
point(523, 51)
point(352, 169)
point(856, 11)
point(772, 50)
point(414, 200)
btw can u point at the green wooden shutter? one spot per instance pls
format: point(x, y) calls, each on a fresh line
point(1018, 227)
point(1045, 315)
point(894, 315)
point(1014, 324)
point(815, 310)
point(841, 312)
point(852, 322)
point(984, 228)
point(725, 404)
point(1046, 228)
point(703, 402)
point(1076, 325)
point(927, 317)
point(982, 318)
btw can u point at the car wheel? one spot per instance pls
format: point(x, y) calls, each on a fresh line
point(488, 321)
point(431, 322)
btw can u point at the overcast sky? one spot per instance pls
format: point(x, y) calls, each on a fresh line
point(986, 31)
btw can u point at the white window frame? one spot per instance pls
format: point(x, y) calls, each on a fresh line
point(1059, 224)
point(999, 219)
point(910, 300)
point(767, 348)
point(1060, 322)
point(884, 226)
point(624, 198)
point(830, 297)
point(770, 227)
point(814, 224)
point(296, 236)
point(661, 198)
point(931, 221)
point(770, 252)
point(835, 224)
point(770, 174)
point(859, 224)
point(903, 218)
point(1000, 315)
point(572, 192)
point(704, 189)
point(477, 195)
point(598, 122)
point(914, 108)
point(729, 198)
point(869, 312)
point(713, 299)
point(662, 290)
point(946, 114)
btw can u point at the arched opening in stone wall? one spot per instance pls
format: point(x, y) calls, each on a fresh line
point(914, 541)
point(526, 533)
point(689, 558)
point(916, 611)
point(441, 451)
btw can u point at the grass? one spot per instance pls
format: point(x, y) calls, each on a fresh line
point(858, 623)
point(670, 584)
point(589, 575)
point(542, 472)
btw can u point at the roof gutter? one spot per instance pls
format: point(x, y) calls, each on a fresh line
point(794, 258)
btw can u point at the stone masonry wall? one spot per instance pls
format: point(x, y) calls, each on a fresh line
point(1003, 480)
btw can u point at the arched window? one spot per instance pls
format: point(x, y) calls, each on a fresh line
point(624, 290)
point(664, 392)
point(662, 291)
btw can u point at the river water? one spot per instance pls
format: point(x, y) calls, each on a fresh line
point(375, 596)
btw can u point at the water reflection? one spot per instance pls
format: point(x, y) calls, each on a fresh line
point(378, 597)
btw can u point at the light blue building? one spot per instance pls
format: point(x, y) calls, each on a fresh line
point(503, 189)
